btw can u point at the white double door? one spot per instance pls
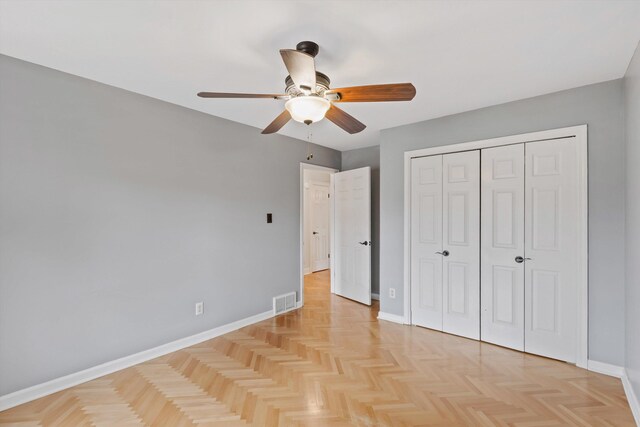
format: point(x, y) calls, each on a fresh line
point(530, 247)
point(495, 245)
point(445, 244)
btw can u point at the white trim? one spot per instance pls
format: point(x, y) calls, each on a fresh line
point(605, 368)
point(303, 167)
point(375, 296)
point(40, 390)
point(582, 341)
point(578, 132)
point(332, 248)
point(632, 399)
point(391, 317)
point(619, 372)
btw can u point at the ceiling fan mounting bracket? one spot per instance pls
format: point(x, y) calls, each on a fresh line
point(308, 47)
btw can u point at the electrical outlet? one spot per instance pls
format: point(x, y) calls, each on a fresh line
point(392, 292)
point(199, 308)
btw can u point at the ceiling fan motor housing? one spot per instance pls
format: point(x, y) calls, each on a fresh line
point(322, 85)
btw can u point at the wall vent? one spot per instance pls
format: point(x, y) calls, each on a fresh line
point(284, 303)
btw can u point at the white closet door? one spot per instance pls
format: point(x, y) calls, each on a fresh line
point(352, 233)
point(461, 238)
point(426, 240)
point(551, 241)
point(502, 222)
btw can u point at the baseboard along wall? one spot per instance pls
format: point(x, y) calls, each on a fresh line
point(632, 397)
point(391, 317)
point(40, 390)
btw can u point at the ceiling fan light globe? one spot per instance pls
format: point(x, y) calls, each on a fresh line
point(307, 108)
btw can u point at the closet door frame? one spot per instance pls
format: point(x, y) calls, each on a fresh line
point(579, 133)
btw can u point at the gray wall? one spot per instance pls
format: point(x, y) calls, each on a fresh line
point(354, 159)
point(632, 101)
point(118, 212)
point(601, 107)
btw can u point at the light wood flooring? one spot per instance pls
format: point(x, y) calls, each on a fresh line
point(333, 363)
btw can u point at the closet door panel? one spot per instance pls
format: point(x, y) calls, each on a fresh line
point(551, 241)
point(502, 222)
point(461, 237)
point(426, 240)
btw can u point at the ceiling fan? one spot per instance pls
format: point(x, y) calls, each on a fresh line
point(310, 98)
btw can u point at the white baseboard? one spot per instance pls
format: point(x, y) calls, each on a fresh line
point(375, 296)
point(37, 391)
point(634, 403)
point(391, 317)
point(605, 368)
point(619, 372)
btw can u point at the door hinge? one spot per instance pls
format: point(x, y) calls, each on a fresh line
point(328, 255)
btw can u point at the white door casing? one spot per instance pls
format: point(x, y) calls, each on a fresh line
point(306, 239)
point(461, 239)
point(552, 242)
point(426, 221)
point(502, 223)
point(319, 227)
point(352, 234)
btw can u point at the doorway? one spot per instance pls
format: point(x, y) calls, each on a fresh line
point(316, 237)
point(315, 221)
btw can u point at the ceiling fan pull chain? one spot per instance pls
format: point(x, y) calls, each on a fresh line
point(309, 137)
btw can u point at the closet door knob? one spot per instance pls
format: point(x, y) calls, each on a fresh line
point(443, 253)
point(520, 259)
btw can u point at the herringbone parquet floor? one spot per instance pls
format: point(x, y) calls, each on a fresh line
point(332, 363)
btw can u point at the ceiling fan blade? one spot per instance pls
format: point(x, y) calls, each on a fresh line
point(301, 67)
point(375, 93)
point(344, 120)
point(241, 95)
point(277, 124)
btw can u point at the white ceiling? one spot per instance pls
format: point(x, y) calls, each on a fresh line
point(460, 55)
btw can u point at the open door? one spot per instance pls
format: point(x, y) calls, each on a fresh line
point(319, 218)
point(352, 234)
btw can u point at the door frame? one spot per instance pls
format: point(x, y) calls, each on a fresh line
point(580, 135)
point(331, 171)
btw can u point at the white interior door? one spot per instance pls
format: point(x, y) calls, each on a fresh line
point(552, 244)
point(319, 227)
point(461, 244)
point(426, 242)
point(352, 234)
point(502, 223)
